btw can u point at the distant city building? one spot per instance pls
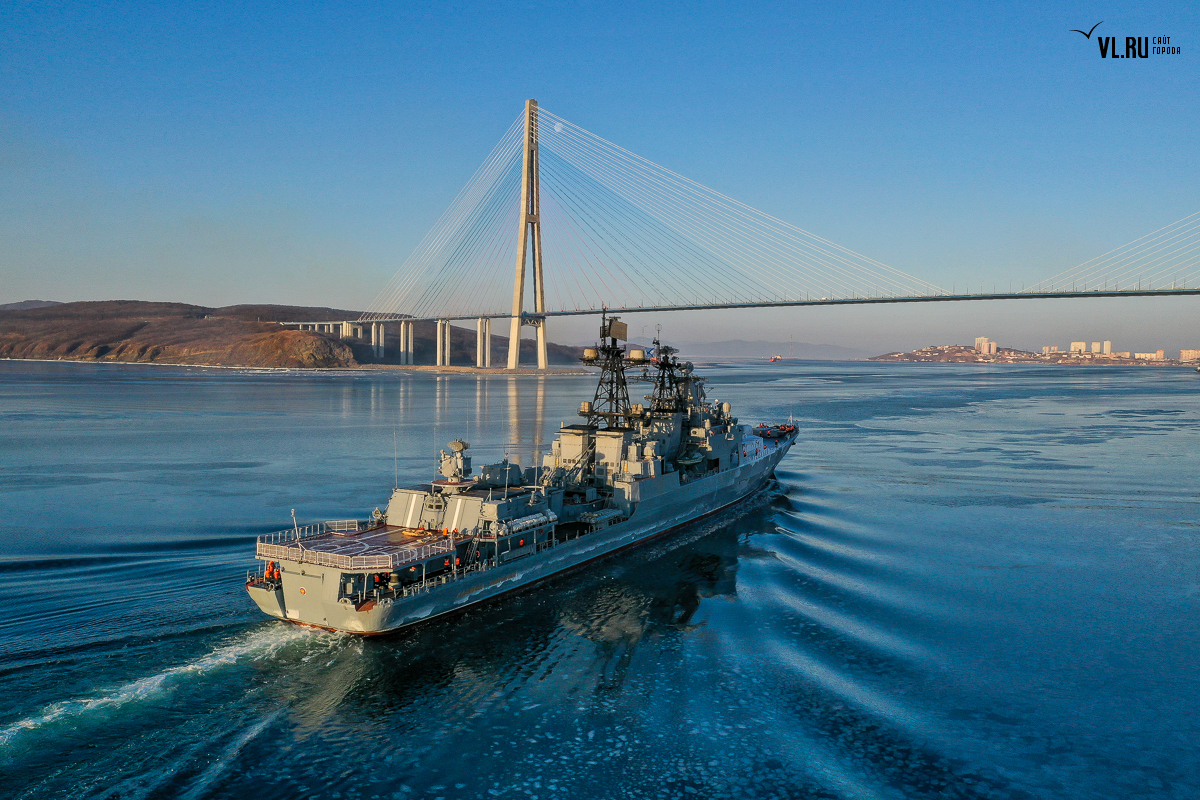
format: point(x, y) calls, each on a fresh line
point(1046, 350)
point(1160, 354)
point(1189, 355)
point(1096, 347)
point(1125, 354)
point(1157, 355)
point(984, 347)
point(1078, 347)
point(1108, 348)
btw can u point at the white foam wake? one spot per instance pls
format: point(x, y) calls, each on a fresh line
point(258, 644)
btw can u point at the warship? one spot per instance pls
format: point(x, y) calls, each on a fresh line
point(627, 473)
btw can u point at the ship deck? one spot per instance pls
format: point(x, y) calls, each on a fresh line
point(384, 540)
point(384, 547)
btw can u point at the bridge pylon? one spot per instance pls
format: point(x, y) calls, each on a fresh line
point(529, 226)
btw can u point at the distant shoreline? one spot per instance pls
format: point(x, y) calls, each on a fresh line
point(964, 354)
point(357, 368)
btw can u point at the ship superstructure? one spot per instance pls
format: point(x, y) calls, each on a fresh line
point(628, 471)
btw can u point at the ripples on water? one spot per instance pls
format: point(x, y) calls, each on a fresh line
point(967, 582)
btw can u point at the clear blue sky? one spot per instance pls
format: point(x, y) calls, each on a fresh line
point(278, 153)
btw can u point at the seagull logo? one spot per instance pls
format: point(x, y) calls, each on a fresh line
point(1087, 35)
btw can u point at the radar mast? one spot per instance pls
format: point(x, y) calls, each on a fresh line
point(611, 403)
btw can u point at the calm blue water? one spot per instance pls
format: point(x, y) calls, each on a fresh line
point(969, 582)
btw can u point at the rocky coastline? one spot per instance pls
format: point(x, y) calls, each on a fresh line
point(127, 331)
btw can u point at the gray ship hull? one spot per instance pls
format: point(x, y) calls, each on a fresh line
point(308, 593)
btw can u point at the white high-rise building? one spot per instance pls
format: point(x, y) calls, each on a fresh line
point(1096, 347)
point(1078, 347)
point(1108, 348)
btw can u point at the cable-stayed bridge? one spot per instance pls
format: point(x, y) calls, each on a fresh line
point(592, 227)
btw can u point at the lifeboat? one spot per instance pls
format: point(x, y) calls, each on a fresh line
point(774, 431)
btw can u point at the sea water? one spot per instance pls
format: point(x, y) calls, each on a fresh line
point(967, 582)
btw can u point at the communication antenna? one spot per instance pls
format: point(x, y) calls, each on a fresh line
point(296, 528)
point(395, 460)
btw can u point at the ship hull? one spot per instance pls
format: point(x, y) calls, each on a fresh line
point(308, 595)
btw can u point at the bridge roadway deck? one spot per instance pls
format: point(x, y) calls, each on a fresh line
point(846, 301)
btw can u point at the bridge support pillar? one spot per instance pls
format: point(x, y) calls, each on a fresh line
point(543, 356)
point(377, 339)
point(441, 344)
point(483, 343)
point(410, 353)
point(514, 343)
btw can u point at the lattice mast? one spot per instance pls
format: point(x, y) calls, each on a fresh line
point(530, 226)
point(610, 406)
point(668, 395)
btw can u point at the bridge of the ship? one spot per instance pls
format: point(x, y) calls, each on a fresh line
point(350, 545)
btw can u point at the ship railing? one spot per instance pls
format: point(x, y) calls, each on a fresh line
point(259, 577)
point(440, 580)
point(300, 533)
point(296, 534)
point(384, 561)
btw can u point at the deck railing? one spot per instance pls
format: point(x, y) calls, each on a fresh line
point(389, 561)
point(301, 533)
point(297, 534)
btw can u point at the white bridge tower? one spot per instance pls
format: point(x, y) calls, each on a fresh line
point(530, 226)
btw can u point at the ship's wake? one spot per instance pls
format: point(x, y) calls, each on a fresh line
point(261, 644)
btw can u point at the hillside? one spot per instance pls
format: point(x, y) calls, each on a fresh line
point(242, 335)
